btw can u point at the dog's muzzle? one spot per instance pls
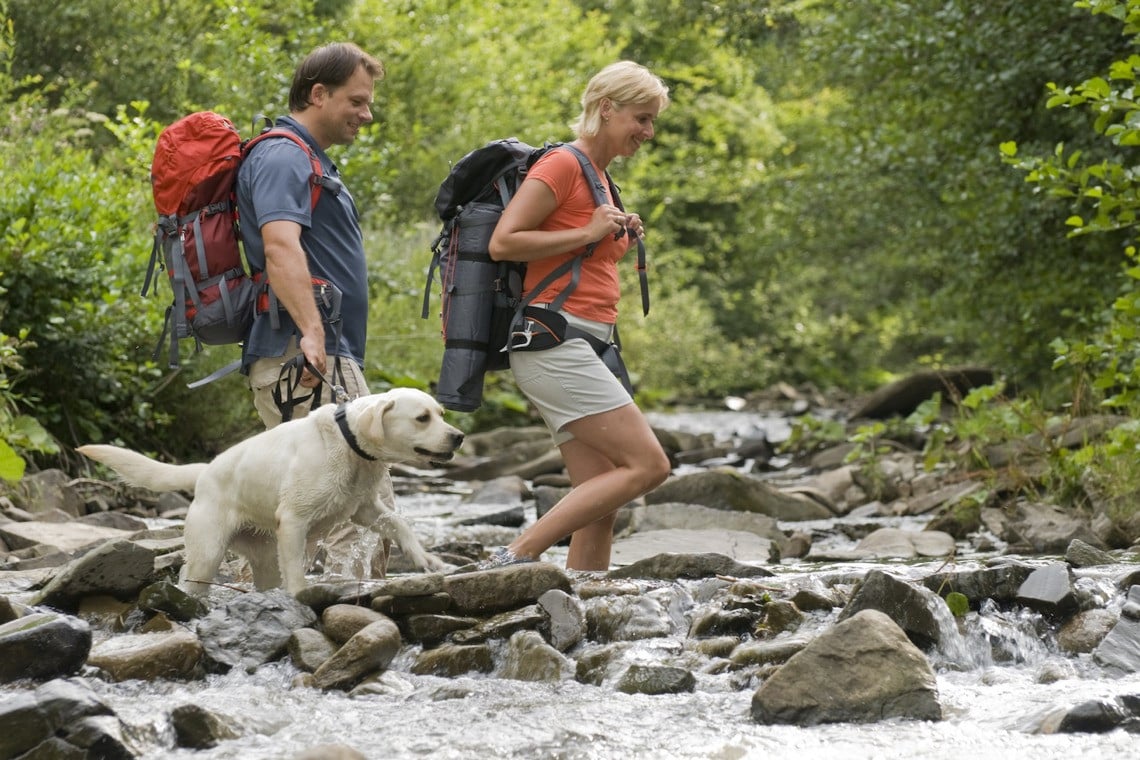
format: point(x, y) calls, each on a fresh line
point(455, 440)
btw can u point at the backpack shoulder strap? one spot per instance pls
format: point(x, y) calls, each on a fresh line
point(599, 191)
point(592, 179)
point(317, 178)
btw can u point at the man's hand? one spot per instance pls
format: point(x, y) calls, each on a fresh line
point(313, 347)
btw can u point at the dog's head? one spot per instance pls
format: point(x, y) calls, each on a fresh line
point(403, 424)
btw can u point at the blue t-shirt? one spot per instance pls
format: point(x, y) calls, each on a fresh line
point(274, 185)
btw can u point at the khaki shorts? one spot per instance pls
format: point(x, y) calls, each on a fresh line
point(265, 374)
point(569, 382)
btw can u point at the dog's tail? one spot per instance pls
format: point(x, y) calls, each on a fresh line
point(142, 471)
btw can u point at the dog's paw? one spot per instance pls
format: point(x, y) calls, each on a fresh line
point(435, 564)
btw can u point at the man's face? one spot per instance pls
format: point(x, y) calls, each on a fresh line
point(345, 108)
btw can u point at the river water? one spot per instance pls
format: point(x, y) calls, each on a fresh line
point(993, 705)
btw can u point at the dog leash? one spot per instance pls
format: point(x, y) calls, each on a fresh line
point(291, 375)
point(341, 415)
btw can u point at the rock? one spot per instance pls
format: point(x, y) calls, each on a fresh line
point(371, 648)
point(740, 546)
point(43, 645)
point(309, 648)
point(119, 568)
point(916, 610)
point(741, 623)
point(1102, 716)
point(1119, 652)
point(695, 517)
point(524, 458)
point(342, 621)
point(768, 652)
point(507, 490)
point(168, 598)
point(492, 442)
point(501, 626)
point(61, 719)
point(148, 656)
point(1079, 554)
point(198, 728)
point(252, 629)
point(453, 660)
point(1083, 632)
point(504, 588)
point(656, 679)
point(1046, 529)
point(48, 490)
point(65, 538)
point(862, 670)
point(530, 658)
point(727, 489)
point(629, 618)
point(1000, 583)
point(430, 630)
point(566, 619)
point(1049, 590)
point(895, 543)
point(673, 566)
point(903, 396)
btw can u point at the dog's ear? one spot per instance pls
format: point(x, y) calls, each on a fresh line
point(370, 421)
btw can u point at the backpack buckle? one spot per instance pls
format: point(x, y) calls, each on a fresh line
point(527, 335)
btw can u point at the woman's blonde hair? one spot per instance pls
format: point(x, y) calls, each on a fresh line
point(622, 83)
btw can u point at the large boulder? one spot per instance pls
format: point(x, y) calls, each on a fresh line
point(862, 670)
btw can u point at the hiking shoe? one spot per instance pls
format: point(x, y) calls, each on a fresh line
point(501, 558)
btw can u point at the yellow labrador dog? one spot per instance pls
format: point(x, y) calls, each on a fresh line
point(265, 496)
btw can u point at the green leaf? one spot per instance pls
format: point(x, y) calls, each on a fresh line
point(11, 464)
point(1008, 148)
point(958, 603)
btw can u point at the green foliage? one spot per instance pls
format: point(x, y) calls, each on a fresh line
point(1098, 183)
point(180, 55)
point(826, 199)
point(58, 249)
point(460, 75)
point(890, 209)
point(809, 434)
point(18, 432)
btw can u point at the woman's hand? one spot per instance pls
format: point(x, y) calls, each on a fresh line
point(608, 220)
point(634, 224)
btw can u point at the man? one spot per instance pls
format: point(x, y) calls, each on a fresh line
point(294, 242)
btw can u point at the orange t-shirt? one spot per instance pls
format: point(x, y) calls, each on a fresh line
point(599, 289)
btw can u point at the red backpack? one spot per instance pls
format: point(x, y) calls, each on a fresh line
point(194, 183)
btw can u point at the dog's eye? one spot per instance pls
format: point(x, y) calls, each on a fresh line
point(425, 417)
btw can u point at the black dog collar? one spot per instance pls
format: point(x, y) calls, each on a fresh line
point(342, 423)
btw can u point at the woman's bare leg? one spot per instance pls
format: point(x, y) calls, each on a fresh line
point(613, 458)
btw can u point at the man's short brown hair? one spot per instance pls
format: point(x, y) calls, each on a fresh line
point(331, 65)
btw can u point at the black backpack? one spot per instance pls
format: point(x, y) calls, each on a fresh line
point(480, 297)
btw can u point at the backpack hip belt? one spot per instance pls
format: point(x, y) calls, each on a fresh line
point(540, 328)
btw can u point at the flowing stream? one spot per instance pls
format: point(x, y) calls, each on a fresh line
point(1000, 679)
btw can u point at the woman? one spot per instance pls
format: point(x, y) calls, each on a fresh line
point(610, 452)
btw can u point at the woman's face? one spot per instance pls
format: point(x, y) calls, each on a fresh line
point(629, 125)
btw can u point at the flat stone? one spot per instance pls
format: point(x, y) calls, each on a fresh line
point(66, 537)
point(743, 546)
